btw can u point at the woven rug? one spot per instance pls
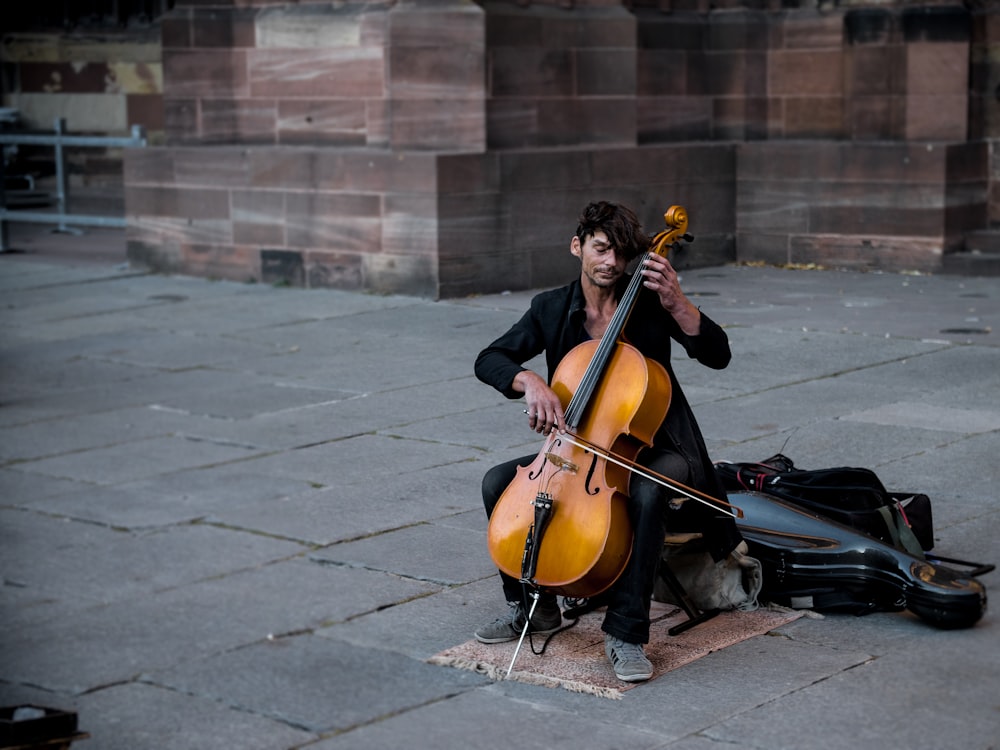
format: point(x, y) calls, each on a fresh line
point(575, 660)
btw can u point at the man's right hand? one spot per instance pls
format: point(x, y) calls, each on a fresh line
point(544, 408)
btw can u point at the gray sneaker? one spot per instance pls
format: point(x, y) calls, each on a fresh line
point(628, 659)
point(547, 618)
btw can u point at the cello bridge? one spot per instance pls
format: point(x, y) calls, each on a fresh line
point(561, 463)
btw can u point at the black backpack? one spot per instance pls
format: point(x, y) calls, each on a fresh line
point(849, 495)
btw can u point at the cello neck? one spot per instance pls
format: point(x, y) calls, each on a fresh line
point(598, 364)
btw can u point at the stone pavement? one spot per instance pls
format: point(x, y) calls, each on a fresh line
point(239, 516)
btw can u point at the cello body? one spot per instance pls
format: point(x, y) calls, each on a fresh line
point(588, 538)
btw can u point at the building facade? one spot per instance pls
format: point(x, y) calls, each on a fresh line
point(445, 147)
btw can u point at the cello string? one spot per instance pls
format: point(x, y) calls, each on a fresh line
point(605, 348)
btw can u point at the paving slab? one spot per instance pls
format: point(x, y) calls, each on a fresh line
point(125, 717)
point(484, 719)
point(427, 552)
point(350, 691)
point(89, 565)
point(241, 515)
point(165, 500)
point(360, 508)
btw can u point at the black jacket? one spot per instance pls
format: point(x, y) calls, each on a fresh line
point(554, 324)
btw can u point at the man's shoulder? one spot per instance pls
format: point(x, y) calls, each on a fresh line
point(558, 296)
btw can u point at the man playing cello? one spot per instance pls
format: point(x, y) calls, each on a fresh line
point(607, 238)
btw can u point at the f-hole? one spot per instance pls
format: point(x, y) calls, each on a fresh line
point(535, 475)
point(590, 475)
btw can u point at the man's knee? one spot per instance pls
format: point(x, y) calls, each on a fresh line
point(495, 481)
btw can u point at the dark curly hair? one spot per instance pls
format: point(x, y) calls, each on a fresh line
point(619, 223)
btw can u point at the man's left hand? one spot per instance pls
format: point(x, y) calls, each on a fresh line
point(660, 277)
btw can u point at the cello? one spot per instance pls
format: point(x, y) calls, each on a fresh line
point(573, 495)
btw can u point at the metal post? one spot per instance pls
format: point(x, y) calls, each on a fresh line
point(62, 184)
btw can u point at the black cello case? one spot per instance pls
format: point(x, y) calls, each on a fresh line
point(812, 562)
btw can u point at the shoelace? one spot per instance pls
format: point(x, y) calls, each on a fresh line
point(625, 652)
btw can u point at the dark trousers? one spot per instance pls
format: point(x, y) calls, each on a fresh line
point(628, 600)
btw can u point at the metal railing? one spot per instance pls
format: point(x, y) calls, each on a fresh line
point(60, 140)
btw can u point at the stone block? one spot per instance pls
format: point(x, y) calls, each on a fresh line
point(653, 165)
point(740, 118)
point(416, 275)
point(213, 167)
point(444, 23)
point(185, 202)
point(175, 30)
point(772, 249)
point(941, 117)
point(231, 28)
point(872, 70)
point(512, 27)
point(863, 251)
point(511, 123)
point(790, 160)
point(968, 161)
point(320, 26)
point(661, 73)
point(348, 72)
point(711, 212)
point(739, 30)
point(549, 170)
point(467, 173)
point(452, 124)
point(470, 226)
point(322, 121)
point(325, 169)
point(258, 217)
point(325, 270)
point(147, 165)
point(811, 31)
point(205, 73)
point(238, 121)
point(806, 72)
point(814, 117)
point(870, 212)
point(937, 68)
point(440, 72)
point(180, 120)
point(729, 73)
point(966, 209)
point(871, 117)
point(146, 110)
point(377, 129)
point(611, 26)
point(893, 163)
point(409, 224)
point(574, 121)
point(605, 72)
point(531, 72)
point(673, 118)
point(770, 208)
point(327, 221)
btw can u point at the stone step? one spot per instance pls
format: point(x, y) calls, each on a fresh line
point(983, 241)
point(981, 256)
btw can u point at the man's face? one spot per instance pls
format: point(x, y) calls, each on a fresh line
point(601, 263)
